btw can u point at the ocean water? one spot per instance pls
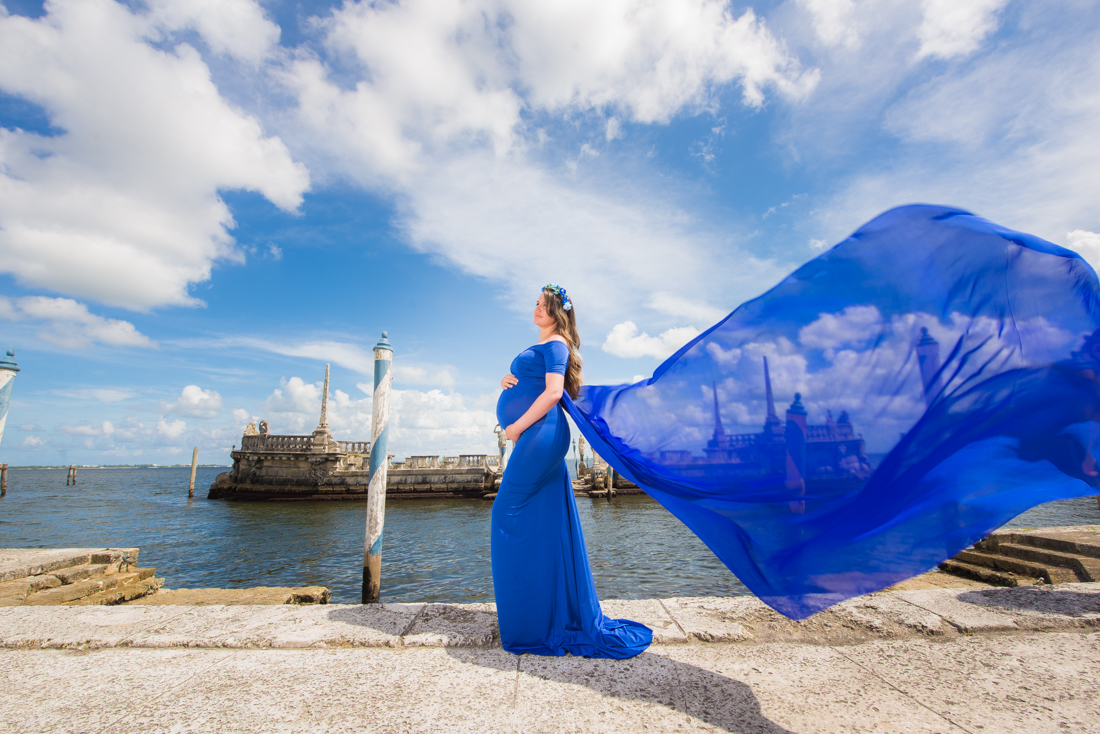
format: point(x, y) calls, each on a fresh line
point(434, 550)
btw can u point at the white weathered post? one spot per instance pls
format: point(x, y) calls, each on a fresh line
point(194, 465)
point(8, 368)
point(379, 464)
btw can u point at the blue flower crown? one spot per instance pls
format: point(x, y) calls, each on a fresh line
point(557, 290)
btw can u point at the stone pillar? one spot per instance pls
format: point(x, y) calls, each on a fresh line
point(8, 368)
point(379, 462)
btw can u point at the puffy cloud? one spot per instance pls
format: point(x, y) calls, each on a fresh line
point(236, 28)
point(1086, 244)
point(195, 401)
point(69, 324)
point(170, 431)
point(854, 325)
point(951, 28)
point(122, 206)
point(624, 340)
point(295, 396)
point(440, 102)
point(32, 443)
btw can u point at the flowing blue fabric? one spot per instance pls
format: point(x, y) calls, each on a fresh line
point(941, 377)
point(546, 601)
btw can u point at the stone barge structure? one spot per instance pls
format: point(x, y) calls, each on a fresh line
point(318, 467)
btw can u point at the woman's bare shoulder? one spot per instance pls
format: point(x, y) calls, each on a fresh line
point(556, 338)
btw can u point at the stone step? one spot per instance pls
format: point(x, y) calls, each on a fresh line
point(986, 574)
point(80, 589)
point(1050, 574)
point(121, 594)
point(1081, 541)
point(1085, 568)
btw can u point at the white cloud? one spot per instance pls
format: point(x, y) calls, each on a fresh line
point(32, 443)
point(685, 308)
point(818, 245)
point(834, 21)
point(1009, 135)
point(170, 431)
point(624, 341)
point(237, 28)
point(195, 401)
point(435, 422)
point(430, 100)
point(854, 325)
point(69, 324)
point(519, 225)
point(1086, 244)
point(101, 394)
point(105, 429)
point(123, 206)
point(951, 28)
point(241, 417)
point(295, 396)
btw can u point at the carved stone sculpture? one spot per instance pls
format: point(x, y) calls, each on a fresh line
point(263, 428)
point(250, 430)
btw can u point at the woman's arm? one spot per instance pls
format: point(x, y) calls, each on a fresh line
point(555, 386)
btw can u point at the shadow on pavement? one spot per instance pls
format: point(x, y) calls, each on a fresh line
point(649, 678)
point(1067, 602)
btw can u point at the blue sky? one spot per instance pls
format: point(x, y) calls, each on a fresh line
point(202, 203)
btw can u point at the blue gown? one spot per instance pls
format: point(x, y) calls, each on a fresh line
point(546, 601)
point(886, 405)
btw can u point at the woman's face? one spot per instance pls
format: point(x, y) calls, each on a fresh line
point(542, 318)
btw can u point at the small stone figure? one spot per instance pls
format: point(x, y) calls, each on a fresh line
point(250, 430)
point(263, 428)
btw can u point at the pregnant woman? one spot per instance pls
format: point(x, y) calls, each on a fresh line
point(546, 601)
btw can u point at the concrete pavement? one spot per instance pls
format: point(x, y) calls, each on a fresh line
point(937, 660)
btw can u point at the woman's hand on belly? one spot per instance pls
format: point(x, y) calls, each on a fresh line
point(508, 381)
point(512, 433)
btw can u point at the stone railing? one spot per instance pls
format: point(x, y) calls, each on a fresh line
point(354, 447)
point(269, 442)
point(472, 461)
point(422, 462)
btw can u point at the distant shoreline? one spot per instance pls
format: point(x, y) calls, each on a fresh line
point(122, 466)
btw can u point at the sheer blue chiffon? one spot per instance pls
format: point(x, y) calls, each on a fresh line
point(885, 406)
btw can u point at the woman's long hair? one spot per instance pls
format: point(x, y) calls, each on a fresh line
point(567, 327)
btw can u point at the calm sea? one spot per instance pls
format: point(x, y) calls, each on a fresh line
point(435, 550)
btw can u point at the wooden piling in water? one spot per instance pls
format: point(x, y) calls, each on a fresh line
point(3, 480)
point(194, 465)
point(71, 478)
point(379, 464)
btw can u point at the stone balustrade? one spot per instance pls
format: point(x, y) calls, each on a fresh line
point(354, 447)
point(270, 442)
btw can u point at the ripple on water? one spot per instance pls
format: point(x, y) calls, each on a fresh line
point(434, 550)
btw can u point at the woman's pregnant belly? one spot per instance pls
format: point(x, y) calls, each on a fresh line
point(515, 401)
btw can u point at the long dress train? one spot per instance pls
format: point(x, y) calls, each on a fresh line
point(546, 600)
point(943, 376)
